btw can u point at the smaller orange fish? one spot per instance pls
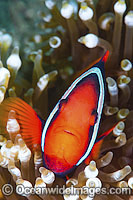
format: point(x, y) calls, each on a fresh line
point(69, 135)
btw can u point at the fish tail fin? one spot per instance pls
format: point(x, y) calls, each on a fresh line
point(105, 57)
point(95, 152)
point(30, 124)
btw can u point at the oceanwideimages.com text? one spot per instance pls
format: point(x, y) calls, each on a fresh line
point(7, 189)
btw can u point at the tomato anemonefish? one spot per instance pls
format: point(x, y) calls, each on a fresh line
point(70, 131)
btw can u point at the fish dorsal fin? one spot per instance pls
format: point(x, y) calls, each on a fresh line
point(105, 57)
point(102, 59)
point(30, 124)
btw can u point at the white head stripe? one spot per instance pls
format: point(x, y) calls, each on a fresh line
point(96, 126)
point(99, 109)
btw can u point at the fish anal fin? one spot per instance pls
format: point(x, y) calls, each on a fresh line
point(30, 124)
point(67, 177)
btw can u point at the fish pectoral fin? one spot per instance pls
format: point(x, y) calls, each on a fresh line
point(101, 137)
point(30, 124)
point(95, 152)
point(93, 117)
point(62, 104)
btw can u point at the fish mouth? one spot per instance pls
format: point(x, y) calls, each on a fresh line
point(59, 162)
point(67, 131)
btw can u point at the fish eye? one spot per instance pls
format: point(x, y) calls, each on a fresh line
point(94, 112)
point(62, 104)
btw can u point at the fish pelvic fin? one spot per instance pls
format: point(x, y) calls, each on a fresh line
point(30, 124)
point(95, 152)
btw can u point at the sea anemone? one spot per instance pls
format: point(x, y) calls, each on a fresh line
point(70, 36)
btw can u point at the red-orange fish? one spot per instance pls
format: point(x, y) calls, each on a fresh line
point(70, 131)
